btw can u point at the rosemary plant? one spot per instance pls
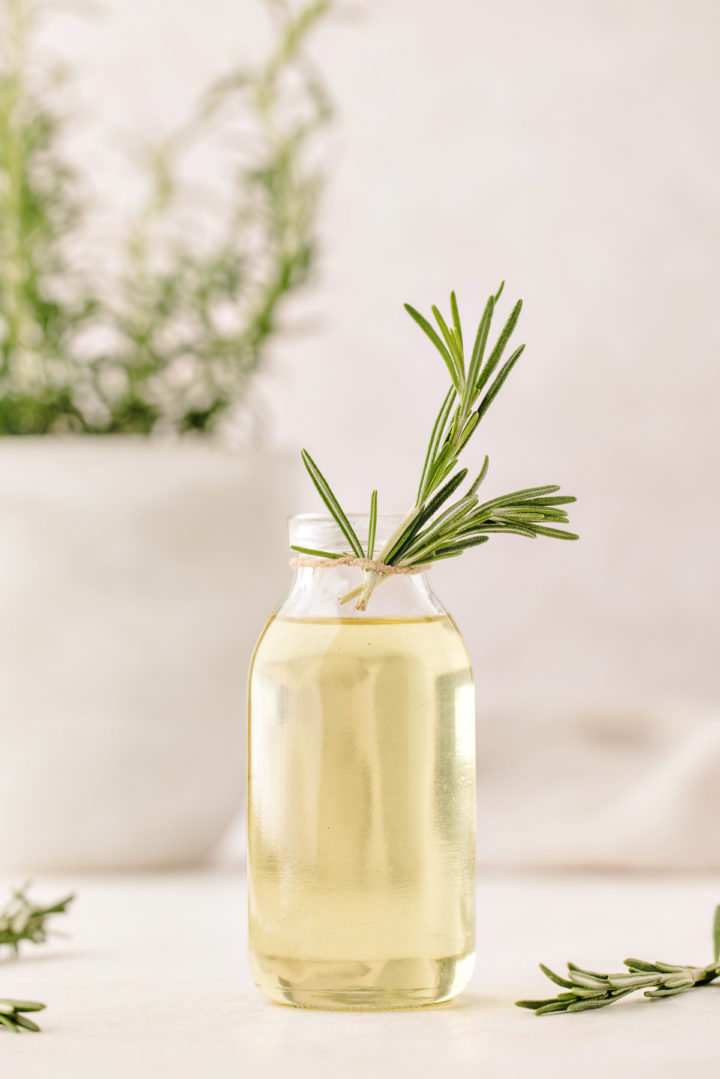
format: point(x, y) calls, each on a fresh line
point(45, 304)
point(436, 527)
point(170, 342)
point(206, 276)
point(585, 990)
point(22, 920)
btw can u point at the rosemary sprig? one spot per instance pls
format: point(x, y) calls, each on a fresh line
point(22, 920)
point(587, 989)
point(436, 527)
point(12, 1017)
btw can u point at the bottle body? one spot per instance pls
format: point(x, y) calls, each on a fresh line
point(361, 805)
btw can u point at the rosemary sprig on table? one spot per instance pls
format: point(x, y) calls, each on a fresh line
point(437, 528)
point(22, 920)
point(587, 989)
point(12, 1017)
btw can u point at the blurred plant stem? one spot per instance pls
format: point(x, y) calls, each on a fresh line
point(38, 207)
point(13, 269)
point(170, 343)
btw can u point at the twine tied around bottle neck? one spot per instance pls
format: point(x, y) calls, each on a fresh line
point(367, 564)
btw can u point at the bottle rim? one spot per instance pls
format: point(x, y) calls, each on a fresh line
point(321, 531)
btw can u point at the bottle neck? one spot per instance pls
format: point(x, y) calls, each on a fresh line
point(320, 532)
point(320, 590)
point(321, 593)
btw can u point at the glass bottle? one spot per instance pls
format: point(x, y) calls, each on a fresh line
point(361, 790)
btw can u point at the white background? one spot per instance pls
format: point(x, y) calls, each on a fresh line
point(572, 148)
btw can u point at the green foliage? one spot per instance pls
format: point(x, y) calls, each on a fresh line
point(13, 1017)
point(436, 528)
point(22, 920)
point(43, 305)
point(586, 990)
point(169, 344)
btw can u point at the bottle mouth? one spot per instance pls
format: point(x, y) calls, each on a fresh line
point(320, 531)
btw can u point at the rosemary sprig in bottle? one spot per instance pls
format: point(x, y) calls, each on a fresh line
point(585, 990)
point(435, 527)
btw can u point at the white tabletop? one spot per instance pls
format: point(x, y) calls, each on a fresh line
point(153, 982)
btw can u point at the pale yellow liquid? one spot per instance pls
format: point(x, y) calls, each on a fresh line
point(361, 813)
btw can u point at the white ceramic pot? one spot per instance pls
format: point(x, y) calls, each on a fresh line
point(134, 580)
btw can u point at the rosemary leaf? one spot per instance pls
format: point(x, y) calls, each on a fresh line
point(496, 354)
point(438, 555)
point(558, 500)
point(22, 1005)
point(437, 433)
point(325, 492)
point(498, 383)
point(314, 551)
point(427, 329)
point(555, 977)
point(468, 431)
point(456, 321)
point(639, 964)
point(553, 1006)
point(478, 353)
point(372, 525)
point(22, 1021)
point(454, 348)
point(481, 476)
point(462, 545)
point(515, 498)
point(516, 529)
point(556, 533)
